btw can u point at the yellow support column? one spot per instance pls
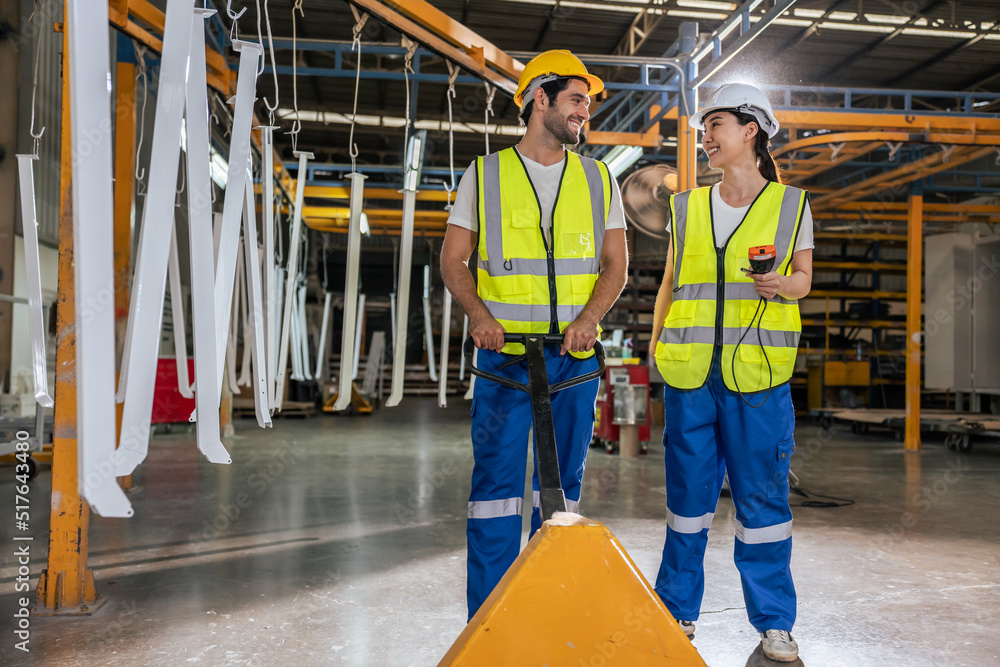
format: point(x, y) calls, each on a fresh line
point(66, 586)
point(124, 189)
point(914, 299)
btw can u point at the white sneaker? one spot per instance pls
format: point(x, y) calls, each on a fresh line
point(687, 627)
point(779, 646)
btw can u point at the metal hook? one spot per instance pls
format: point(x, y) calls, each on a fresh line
point(229, 10)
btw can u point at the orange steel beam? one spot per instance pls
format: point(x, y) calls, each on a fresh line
point(336, 212)
point(471, 56)
point(124, 187)
point(905, 174)
point(902, 217)
point(344, 192)
point(649, 139)
point(965, 209)
point(442, 25)
point(66, 585)
point(818, 166)
point(970, 139)
point(850, 120)
point(914, 268)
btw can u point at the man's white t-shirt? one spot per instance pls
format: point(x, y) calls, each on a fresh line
point(727, 218)
point(546, 182)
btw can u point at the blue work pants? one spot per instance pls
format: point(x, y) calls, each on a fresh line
point(501, 418)
point(709, 431)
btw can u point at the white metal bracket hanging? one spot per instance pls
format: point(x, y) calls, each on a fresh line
point(835, 151)
point(232, 206)
point(202, 248)
point(302, 343)
point(271, 305)
point(242, 298)
point(177, 315)
point(149, 283)
point(255, 341)
point(232, 339)
point(324, 330)
point(428, 329)
point(472, 378)
point(893, 149)
point(461, 362)
point(93, 240)
point(403, 296)
point(292, 274)
point(351, 291)
point(33, 274)
point(445, 335)
point(358, 332)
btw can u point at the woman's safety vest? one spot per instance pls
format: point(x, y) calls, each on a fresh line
point(528, 284)
point(714, 302)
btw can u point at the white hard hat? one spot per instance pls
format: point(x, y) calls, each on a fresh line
point(741, 97)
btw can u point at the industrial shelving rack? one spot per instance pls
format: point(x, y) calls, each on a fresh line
point(854, 341)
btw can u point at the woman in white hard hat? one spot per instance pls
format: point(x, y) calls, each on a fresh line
point(727, 331)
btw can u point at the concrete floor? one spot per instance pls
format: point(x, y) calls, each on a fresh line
point(341, 540)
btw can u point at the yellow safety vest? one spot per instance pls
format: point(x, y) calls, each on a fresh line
point(528, 286)
point(706, 276)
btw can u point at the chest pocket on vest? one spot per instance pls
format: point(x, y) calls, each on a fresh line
point(522, 235)
point(577, 245)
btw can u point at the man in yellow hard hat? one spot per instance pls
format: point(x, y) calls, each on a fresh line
point(548, 231)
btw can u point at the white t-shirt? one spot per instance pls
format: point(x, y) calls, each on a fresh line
point(546, 182)
point(727, 218)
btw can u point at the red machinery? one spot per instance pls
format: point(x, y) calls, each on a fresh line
point(169, 407)
point(622, 400)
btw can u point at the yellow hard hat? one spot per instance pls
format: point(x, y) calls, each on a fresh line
point(557, 63)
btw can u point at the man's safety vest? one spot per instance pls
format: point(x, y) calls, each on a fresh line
point(529, 284)
point(714, 302)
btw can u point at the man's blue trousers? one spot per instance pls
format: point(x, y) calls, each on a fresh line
point(501, 418)
point(709, 431)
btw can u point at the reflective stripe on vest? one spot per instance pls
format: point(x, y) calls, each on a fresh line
point(527, 286)
point(692, 329)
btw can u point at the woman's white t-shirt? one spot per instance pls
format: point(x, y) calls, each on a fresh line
point(727, 218)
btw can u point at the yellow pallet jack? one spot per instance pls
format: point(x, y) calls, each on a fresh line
point(359, 404)
point(573, 596)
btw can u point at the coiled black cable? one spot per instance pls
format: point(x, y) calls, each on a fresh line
point(770, 373)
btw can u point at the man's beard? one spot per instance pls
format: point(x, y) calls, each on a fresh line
point(559, 128)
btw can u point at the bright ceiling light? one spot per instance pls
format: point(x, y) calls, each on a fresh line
point(707, 4)
point(708, 16)
point(923, 32)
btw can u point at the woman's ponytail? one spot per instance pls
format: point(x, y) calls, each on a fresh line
point(765, 163)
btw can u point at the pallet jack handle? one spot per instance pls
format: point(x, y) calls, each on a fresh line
point(545, 339)
point(551, 496)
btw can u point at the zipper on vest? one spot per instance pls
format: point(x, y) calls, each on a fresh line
point(550, 259)
point(553, 296)
point(720, 292)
